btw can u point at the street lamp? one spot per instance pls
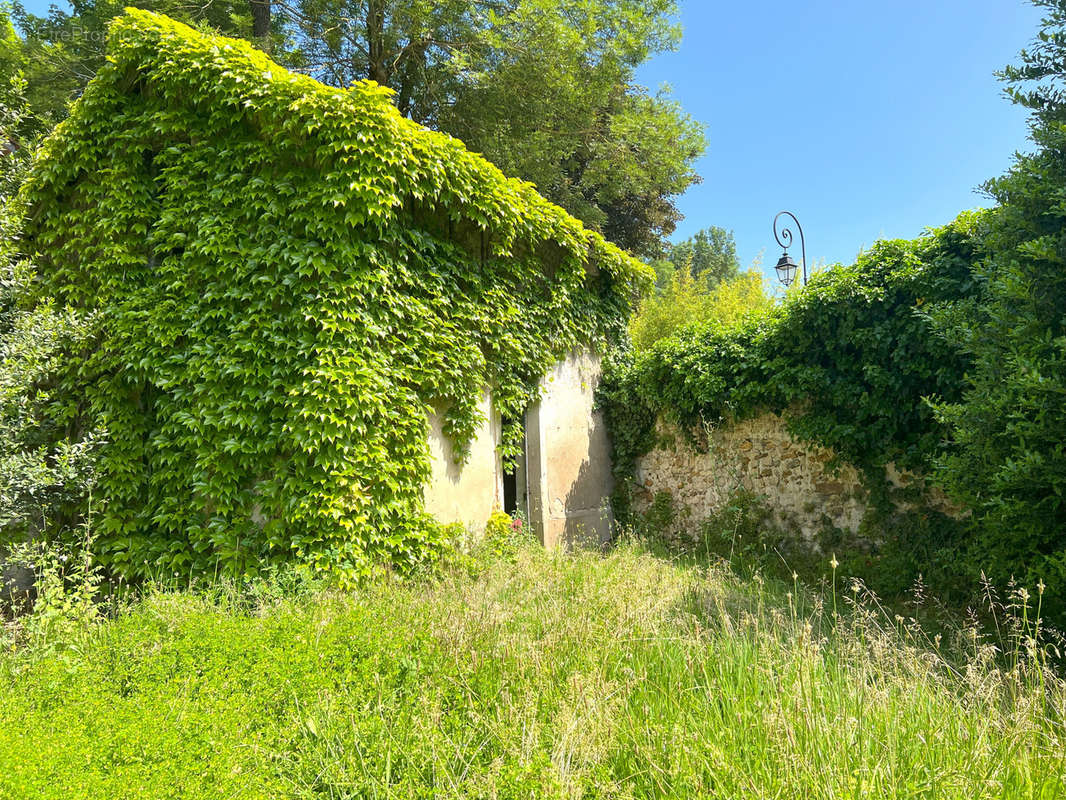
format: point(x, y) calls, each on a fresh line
point(786, 267)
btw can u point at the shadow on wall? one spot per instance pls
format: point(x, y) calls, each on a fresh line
point(16, 588)
point(446, 461)
point(465, 493)
point(588, 519)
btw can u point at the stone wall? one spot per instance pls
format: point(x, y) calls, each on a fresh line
point(758, 455)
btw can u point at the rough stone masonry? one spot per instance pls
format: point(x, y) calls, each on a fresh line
point(794, 479)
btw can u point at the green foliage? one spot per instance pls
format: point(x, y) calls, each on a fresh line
point(16, 122)
point(288, 278)
point(849, 361)
point(544, 89)
point(740, 532)
point(549, 676)
point(66, 587)
point(1007, 459)
point(896, 550)
point(685, 301)
point(46, 464)
point(60, 52)
point(505, 536)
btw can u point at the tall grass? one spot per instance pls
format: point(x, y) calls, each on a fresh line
point(552, 675)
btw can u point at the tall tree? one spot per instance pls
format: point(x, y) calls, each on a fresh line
point(1007, 459)
point(542, 88)
point(261, 24)
point(710, 255)
point(415, 47)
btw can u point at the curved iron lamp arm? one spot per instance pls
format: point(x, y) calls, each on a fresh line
point(786, 236)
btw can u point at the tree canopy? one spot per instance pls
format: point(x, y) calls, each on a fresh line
point(685, 301)
point(709, 257)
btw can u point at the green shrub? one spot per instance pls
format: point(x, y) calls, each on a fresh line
point(506, 535)
point(894, 550)
point(685, 301)
point(47, 464)
point(288, 277)
point(66, 591)
point(741, 529)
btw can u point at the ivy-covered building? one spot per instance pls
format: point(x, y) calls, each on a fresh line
point(316, 320)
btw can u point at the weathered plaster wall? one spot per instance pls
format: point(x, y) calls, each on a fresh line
point(564, 480)
point(760, 456)
point(568, 463)
point(466, 494)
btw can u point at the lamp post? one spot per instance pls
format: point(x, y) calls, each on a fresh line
point(786, 267)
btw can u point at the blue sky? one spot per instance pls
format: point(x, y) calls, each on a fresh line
point(868, 120)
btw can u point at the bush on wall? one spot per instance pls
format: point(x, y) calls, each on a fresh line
point(288, 277)
point(849, 361)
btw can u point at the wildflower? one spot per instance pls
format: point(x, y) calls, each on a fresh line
point(1040, 586)
point(795, 575)
point(833, 562)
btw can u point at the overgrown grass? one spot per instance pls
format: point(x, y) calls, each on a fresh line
point(546, 675)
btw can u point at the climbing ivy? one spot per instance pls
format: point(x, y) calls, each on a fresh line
point(850, 361)
point(289, 278)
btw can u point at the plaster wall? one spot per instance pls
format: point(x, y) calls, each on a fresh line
point(466, 494)
point(564, 479)
point(568, 464)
